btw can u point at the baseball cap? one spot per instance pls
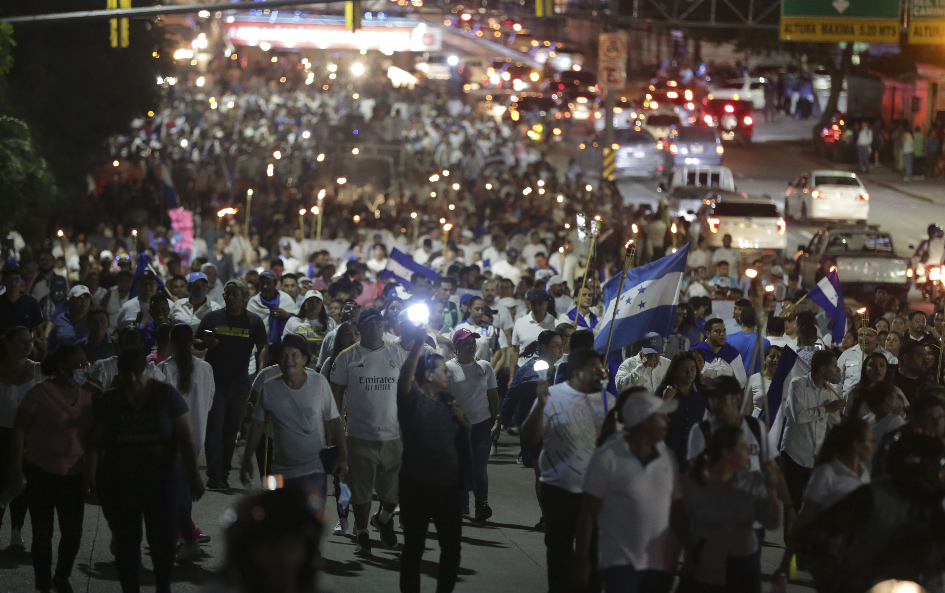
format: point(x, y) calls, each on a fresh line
point(296, 341)
point(268, 274)
point(777, 271)
point(106, 254)
point(79, 290)
point(11, 268)
point(285, 243)
point(555, 280)
point(508, 302)
point(652, 343)
point(148, 275)
point(512, 252)
point(369, 314)
point(644, 404)
point(465, 298)
point(194, 276)
point(238, 283)
point(313, 294)
point(58, 284)
point(463, 333)
point(536, 295)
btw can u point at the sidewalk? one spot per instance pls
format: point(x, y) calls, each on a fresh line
point(930, 189)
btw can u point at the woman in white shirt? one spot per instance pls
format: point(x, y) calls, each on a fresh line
point(18, 374)
point(760, 383)
point(378, 263)
point(312, 323)
point(487, 345)
point(193, 378)
point(840, 469)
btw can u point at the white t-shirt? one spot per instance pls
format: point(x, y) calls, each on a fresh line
point(730, 255)
point(526, 330)
point(370, 381)
point(572, 421)
point(633, 523)
point(12, 395)
point(183, 311)
point(832, 482)
point(469, 384)
point(754, 395)
point(759, 451)
point(104, 372)
point(200, 397)
point(298, 418)
point(487, 343)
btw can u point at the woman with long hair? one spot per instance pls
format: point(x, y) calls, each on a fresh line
point(193, 378)
point(680, 383)
point(875, 370)
point(685, 333)
point(882, 401)
point(760, 383)
point(346, 336)
point(18, 374)
point(136, 468)
point(49, 440)
point(839, 469)
point(723, 499)
point(312, 323)
point(893, 342)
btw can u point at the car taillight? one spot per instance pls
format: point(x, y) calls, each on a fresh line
point(713, 224)
point(615, 146)
point(673, 149)
point(598, 115)
point(719, 150)
point(816, 194)
point(659, 145)
point(654, 105)
point(708, 120)
point(729, 109)
point(618, 109)
point(672, 95)
point(864, 196)
point(748, 121)
point(935, 272)
point(690, 106)
point(909, 273)
point(781, 226)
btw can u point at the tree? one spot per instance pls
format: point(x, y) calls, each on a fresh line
point(74, 90)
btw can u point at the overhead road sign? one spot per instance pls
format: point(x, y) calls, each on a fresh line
point(329, 32)
point(869, 21)
point(927, 22)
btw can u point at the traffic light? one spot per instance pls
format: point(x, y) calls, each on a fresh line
point(353, 15)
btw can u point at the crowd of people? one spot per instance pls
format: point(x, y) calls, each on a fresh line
point(125, 356)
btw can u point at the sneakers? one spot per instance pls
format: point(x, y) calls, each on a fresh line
point(202, 538)
point(188, 552)
point(16, 539)
point(385, 529)
point(364, 544)
point(218, 484)
point(483, 513)
point(342, 527)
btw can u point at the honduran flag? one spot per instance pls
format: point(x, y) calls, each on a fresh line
point(400, 267)
point(790, 366)
point(826, 295)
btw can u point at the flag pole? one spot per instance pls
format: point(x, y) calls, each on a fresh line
point(764, 392)
point(595, 230)
point(627, 264)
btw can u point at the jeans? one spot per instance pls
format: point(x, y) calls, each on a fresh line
point(157, 502)
point(314, 485)
point(561, 509)
point(223, 425)
point(863, 152)
point(47, 493)
point(482, 446)
point(419, 504)
point(907, 163)
point(18, 506)
point(796, 477)
point(626, 579)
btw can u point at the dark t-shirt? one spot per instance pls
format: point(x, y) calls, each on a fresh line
point(25, 311)
point(237, 335)
point(691, 411)
point(139, 445)
point(429, 434)
point(910, 386)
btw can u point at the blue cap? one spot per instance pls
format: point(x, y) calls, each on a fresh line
point(194, 276)
point(161, 241)
point(268, 274)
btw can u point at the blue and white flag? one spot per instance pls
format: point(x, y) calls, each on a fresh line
point(144, 264)
point(647, 303)
point(826, 295)
point(790, 366)
point(400, 267)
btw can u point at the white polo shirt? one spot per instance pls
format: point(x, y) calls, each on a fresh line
point(183, 311)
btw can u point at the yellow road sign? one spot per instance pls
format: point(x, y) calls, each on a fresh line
point(802, 28)
point(609, 171)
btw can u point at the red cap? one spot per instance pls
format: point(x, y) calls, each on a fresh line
point(463, 333)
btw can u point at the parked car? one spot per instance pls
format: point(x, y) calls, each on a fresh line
point(731, 118)
point(827, 195)
point(693, 146)
point(753, 222)
point(863, 257)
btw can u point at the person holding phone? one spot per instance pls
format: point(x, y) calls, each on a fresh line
point(681, 384)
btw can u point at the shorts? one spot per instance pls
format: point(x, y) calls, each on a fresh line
point(530, 453)
point(373, 466)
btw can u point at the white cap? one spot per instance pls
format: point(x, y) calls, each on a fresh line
point(508, 302)
point(556, 279)
point(313, 294)
point(542, 274)
point(105, 254)
point(644, 404)
point(79, 290)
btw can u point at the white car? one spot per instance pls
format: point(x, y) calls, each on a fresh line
point(753, 222)
point(658, 123)
point(827, 195)
point(741, 89)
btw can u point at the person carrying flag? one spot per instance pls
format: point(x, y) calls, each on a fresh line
point(721, 358)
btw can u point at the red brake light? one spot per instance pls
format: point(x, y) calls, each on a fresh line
point(729, 109)
point(864, 196)
point(748, 120)
point(781, 226)
point(719, 150)
point(713, 224)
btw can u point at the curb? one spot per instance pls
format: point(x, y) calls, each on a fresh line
point(910, 193)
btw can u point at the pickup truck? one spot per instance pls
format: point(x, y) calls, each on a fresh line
point(753, 222)
point(695, 186)
point(863, 256)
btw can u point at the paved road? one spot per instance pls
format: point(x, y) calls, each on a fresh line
point(505, 555)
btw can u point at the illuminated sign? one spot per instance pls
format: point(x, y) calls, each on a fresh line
point(403, 36)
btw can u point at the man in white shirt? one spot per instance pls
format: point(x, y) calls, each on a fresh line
point(495, 252)
point(273, 306)
point(774, 331)
point(196, 306)
point(117, 296)
point(728, 254)
point(128, 315)
point(558, 288)
point(526, 328)
point(215, 293)
point(364, 382)
point(532, 249)
point(566, 419)
point(507, 267)
point(647, 368)
point(811, 405)
point(851, 361)
point(290, 263)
